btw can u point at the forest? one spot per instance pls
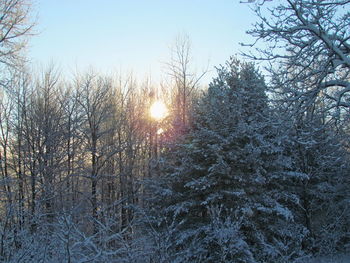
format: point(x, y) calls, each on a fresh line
point(252, 167)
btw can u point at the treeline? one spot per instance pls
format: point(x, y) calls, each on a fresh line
point(75, 156)
point(71, 153)
point(87, 175)
point(252, 168)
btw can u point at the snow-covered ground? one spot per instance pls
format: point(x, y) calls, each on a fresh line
point(330, 259)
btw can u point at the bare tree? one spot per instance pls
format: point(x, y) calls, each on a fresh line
point(306, 42)
point(181, 73)
point(6, 108)
point(18, 95)
point(15, 25)
point(97, 103)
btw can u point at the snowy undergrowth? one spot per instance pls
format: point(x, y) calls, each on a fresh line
point(328, 259)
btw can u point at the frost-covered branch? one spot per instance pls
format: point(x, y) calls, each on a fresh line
point(307, 42)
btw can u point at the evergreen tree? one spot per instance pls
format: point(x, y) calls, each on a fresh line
point(321, 156)
point(314, 140)
point(229, 175)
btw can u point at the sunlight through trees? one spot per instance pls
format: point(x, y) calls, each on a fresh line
point(248, 168)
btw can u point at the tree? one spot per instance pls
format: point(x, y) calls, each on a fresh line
point(185, 81)
point(96, 101)
point(319, 154)
point(230, 173)
point(305, 45)
point(47, 116)
point(317, 150)
point(15, 26)
point(307, 42)
point(73, 145)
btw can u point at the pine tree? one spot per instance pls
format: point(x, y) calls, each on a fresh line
point(315, 140)
point(229, 175)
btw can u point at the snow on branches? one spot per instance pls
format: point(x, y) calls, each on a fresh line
point(307, 43)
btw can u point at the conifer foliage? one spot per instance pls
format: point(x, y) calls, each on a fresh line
point(220, 195)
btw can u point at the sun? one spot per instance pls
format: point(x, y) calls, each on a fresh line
point(158, 110)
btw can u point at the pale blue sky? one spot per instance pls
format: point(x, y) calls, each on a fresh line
point(114, 35)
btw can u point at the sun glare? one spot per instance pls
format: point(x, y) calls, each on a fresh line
point(158, 110)
point(160, 131)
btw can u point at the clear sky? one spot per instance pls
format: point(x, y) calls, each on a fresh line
point(135, 35)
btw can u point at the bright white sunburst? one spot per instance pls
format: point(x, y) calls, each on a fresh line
point(158, 110)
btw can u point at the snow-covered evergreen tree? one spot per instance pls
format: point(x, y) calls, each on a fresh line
point(315, 143)
point(320, 154)
point(231, 162)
